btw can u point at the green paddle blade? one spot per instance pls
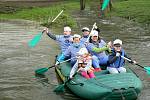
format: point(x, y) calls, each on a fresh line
point(59, 88)
point(41, 70)
point(35, 40)
point(105, 4)
point(147, 70)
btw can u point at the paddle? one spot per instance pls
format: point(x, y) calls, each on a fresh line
point(43, 70)
point(105, 4)
point(87, 40)
point(37, 37)
point(147, 69)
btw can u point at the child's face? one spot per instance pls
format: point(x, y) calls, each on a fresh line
point(117, 47)
point(76, 40)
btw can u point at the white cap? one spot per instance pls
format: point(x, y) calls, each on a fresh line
point(76, 36)
point(85, 28)
point(94, 33)
point(83, 51)
point(117, 41)
point(68, 29)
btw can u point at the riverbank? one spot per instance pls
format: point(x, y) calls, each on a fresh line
point(135, 10)
point(41, 11)
point(44, 11)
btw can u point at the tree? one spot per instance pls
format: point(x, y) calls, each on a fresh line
point(82, 4)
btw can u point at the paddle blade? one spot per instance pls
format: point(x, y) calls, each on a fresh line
point(35, 40)
point(105, 4)
point(59, 88)
point(147, 70)
point(41, 70)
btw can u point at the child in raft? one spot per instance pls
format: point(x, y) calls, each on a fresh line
point(83, 65)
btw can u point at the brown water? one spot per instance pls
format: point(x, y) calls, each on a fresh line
point(18, 62)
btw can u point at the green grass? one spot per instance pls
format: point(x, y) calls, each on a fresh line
point(136, 10)
point(47, 14)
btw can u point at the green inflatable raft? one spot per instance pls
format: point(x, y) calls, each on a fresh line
point(122, 86)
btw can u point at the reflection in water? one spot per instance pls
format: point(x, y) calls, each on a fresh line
point(42, 79)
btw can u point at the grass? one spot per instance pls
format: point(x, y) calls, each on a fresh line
point(136, 10)
point(47, 14)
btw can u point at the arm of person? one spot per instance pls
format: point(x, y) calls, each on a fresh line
point(89, 64)
point(112, 58)
point(52, 36)
point(98, 50)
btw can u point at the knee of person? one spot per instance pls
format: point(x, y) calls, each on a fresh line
point(123, 71)
point(112, 70)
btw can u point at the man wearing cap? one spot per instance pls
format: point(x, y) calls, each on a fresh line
point(97, 48)
point(64, 40)
point(86, 32)
point(116, 62)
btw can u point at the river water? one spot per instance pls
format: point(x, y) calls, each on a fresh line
point(18, 62)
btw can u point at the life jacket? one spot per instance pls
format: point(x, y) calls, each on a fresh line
point(84, 39)
point(119, 61)
point(64, 41)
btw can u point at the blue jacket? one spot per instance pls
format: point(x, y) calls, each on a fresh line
point(72, 51)
point(64, 41)
point(83, 39)
point(101, 44)
point(116, 62)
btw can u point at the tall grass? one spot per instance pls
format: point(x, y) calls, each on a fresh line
point(136, 10)
point(47, 14)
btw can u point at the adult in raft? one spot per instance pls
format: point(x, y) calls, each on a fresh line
point(64, 40)
point(85, 32)
point(116, 62)
point(73, 50)
point(97, 47)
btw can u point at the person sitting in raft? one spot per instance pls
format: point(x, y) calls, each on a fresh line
point(83, 65)
point(64, 40)
point(97, 47)
point(116, 62)
point(73, 49)
point(85, 32)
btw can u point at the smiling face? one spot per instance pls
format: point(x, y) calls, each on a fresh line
point(76, 40)
point(67, 32)
point(117, 47)
point(86, 33)
point(95, 38)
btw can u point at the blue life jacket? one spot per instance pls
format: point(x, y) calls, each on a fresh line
point(72, 51)
point(120, 62)
point(64, 41)
point(101, 44)
point(84, 39)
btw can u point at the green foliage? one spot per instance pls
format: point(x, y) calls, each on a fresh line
point(136, 10)
point(47, 14)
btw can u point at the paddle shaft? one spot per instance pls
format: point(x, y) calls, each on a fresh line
point(131, 61)
point(90, 32)
point(57, 16)
point(61, 62)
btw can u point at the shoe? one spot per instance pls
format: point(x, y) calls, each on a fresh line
point(98, 69)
